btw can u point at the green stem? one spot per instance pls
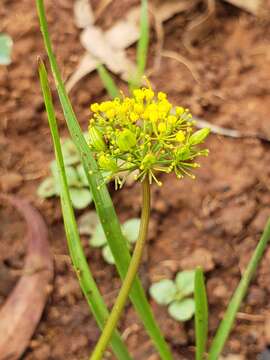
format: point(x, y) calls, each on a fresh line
point(130, 276)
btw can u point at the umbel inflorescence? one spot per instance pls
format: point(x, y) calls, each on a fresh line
point(144, 135)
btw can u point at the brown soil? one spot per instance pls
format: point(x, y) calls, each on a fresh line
point(218, 218)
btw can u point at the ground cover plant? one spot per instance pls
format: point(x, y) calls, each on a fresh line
point(123, 146)
point(176, 295)
point(78, 185)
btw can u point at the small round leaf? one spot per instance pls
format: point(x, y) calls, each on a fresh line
point(107, 255)
point(80, 198)
point(131, 230)
point(70, 153)
point(182, 310)
point(87, 223)
point(163, 292)
point(47, 188)
point(185, 281)
point(98, 239)
point(5, 49)
point(71, 174)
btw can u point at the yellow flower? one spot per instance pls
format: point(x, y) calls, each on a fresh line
point(149, 94)
point(180, 136)
point(94, 107)
point(104, 106)
point(172, 119)
point(162, 96)
point(153, 116)
point(138, 94)
point(134, 117)
point(138, 108)
point(162, 127)
point(179, 110)
point(144, 134)
point(110, 113)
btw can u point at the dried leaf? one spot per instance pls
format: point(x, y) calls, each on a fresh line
point(94, 41)
point(83, 13)
point(252, 6)
point(86, 65)
point(126, 31)
point(22, 310)
point(120, 36)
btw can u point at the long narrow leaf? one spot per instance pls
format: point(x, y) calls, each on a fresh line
point(79, 261)
point(108, 81)
point(201, 314)
point(142, 47)
point(238, 296)
point(103, 202)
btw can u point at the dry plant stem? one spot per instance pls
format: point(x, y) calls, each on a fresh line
point(130, 276)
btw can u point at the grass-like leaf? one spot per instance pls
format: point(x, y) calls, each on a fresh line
point(102, 199)
point(238, 296)
point(107, 81)
point(79, 261)
point(201, 314)
point(142, 46)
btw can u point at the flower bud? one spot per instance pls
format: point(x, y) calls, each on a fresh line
point(162, 127)
point(106, 163)
point(148, 161)
point(199, 136)
point(126, 140)
point(180, 136)
point(96, 139)
point(183, 153)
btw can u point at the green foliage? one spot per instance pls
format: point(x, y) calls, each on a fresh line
point(103, 202)
point(76, 178)
point(142, 46)
point(83, 272)
point(108, 81)
point(227, 322)
point(201, 314)
point(182, 310)
point(174, 295)
point(130, 229)
point(163, 291)
point(5, 49)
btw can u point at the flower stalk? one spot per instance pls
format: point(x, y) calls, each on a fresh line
point(130, 276)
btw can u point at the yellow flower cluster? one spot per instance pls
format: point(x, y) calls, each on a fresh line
point(146, 133)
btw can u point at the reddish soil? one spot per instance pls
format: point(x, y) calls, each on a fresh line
point(218, 218)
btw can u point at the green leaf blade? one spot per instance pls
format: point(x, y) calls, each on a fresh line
point(201, 314)
point(80, 264)
point(142, 46)
point(238, 296)
point(108, 81)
